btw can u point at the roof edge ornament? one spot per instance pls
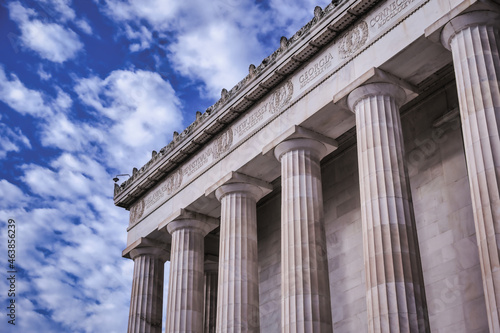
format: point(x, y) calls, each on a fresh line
point(227, 96)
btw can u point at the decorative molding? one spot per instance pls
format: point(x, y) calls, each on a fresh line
point(353, 40)
point(335, 18)
point(136, 211)
point(222, 143)
point(227, 96)
point(172, 183)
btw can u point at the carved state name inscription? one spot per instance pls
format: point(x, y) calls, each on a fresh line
point(388, 12)
point(220, 145)
point(272, 105)
point(172, 183)
point(315, 69)
point(198, 162)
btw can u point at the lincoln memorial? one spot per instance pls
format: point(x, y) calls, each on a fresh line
point(349, 183)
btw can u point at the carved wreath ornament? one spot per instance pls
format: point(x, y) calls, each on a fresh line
point(281, 97)
point(353, 40)
point(223, 143)
point(137, 211)
point(172, 183)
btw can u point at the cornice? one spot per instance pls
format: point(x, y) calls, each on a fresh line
point(322, 29)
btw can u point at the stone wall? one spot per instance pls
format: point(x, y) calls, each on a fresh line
point(443, 213)
point(269, 244)
point(445, 226)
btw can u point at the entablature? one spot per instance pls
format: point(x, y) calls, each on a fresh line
point(293, 53)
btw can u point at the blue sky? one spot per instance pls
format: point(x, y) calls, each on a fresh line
point(88, 88)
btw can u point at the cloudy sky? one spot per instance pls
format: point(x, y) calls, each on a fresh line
point(88, 88)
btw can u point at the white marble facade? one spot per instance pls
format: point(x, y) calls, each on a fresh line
point(349, 183)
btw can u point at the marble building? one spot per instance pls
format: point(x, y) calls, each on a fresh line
point(349, 183)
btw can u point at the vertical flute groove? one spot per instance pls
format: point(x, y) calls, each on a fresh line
point(210, 301)
point(476, 59)
point(185, 296)
point(238, 297)
point(395, 291)
point(147, 294)
point(305, 285)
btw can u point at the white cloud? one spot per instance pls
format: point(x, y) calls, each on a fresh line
point(128, 113)
point(15, 94)
point(25, 101)
point(293, 14)
point(216, 49)
point(61, 8)
point(51, 41)
point(12, 139)
point(65, 269)
point(141, 108)
point(84, 26)
point(157, 12)
point(63, 101)
point(60, 132)
point(143, 37)
point(44, 76)
point(69, 176)
point(217, 44)
point(67, 228)
point(12, 196)
point(63, 184)
point(232, 54)
point(56, 127)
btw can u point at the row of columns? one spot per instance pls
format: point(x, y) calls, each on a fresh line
point(395, 290)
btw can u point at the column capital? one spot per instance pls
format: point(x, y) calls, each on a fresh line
point(376, 89)
point(375, 76)
point(184, 218)
point(298, 137)
point(144, 246)
point(238, 182)
point(464, 21)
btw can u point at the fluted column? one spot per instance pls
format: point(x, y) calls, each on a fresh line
point(185, 293)
point(395, 290)
point(305, 288)
point(238, 285)
point(147, 290)
point(474, 40)
point(210, 311)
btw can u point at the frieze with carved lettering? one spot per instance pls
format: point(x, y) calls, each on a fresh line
point(273, 104)
point(315, 69)
point(200, 160)
point(172, 183)
point(389, 12)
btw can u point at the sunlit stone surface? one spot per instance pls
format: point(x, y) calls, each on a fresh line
point(395, 293)
point(349, 183)
point(474, 40)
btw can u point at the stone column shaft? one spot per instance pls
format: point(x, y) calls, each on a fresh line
point(147, 290)
point(474, 40)
point(238, 285)
point(186, 283)
point(305, 285)
point(395, 290)
point(210, 311)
